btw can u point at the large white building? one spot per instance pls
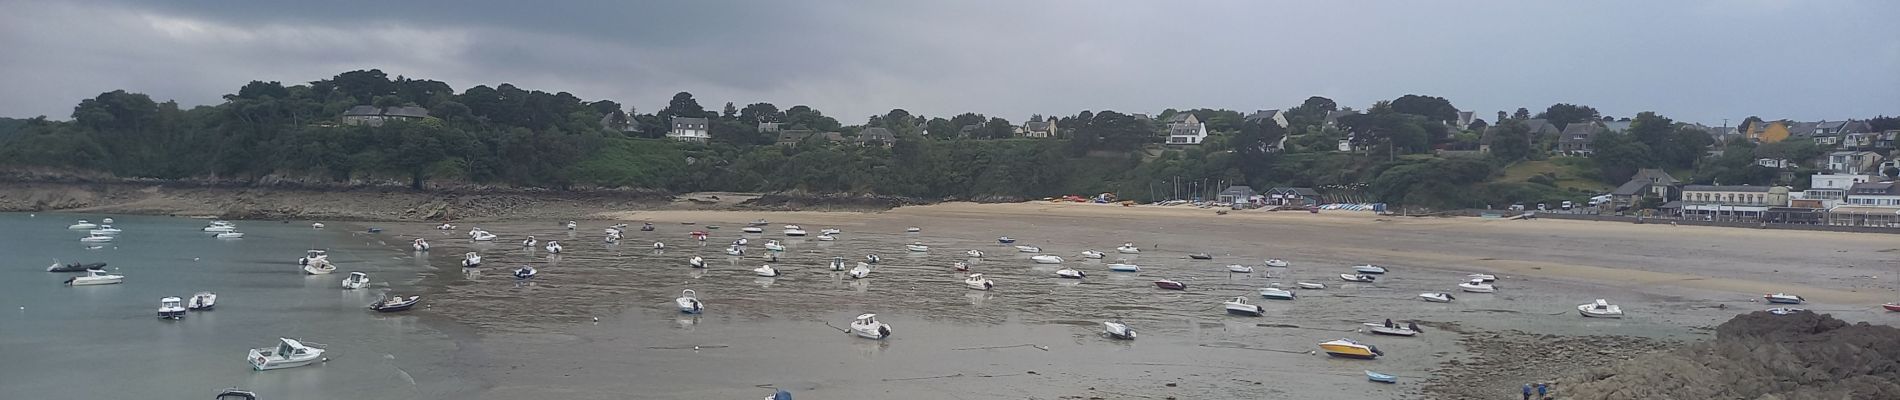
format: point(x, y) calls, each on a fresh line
point(690, 130)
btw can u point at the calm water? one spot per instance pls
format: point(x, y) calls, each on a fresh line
point(104, 342)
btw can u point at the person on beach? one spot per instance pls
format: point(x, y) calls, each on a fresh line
point(1527, 391)
point(1543, 390)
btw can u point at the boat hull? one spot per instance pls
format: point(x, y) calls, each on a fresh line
point(1891, 306)
point(1356, 355)
point(1124, 268)
point(172, 314)
point(1171, 285)
point(1772, 300)
point(1248, 311)
point(1279, 295)
point(1594, 315)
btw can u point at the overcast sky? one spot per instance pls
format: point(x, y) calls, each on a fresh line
point(1699, 61)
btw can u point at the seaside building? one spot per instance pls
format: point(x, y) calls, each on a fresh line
point(1648, 182)
point(1731, 202)
point(1292, 196)
point(1040, 129)
point(375, 116)
point(690, 130)
point(1185, 129)
point(1868, 204)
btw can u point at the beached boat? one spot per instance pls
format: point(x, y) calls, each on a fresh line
point(758, 222)
point(235, 394)
point(867, 326)
point(445, 227)
point(913, 229)
point(735, 251)
point(978, 282)
point(1127, 248)
point(860, 272)
point(1783, 311)
point(1030, 249)
point(571, 225)
point(837, 264)
point(1274, 292)
point(1005, 240)
point(319, 267)
point(765, 271)
point(1368, 269)
point(752, 229)
point(1068, 273)
point(395, 304)
point(219, 226)
point(917, 247)
point(614, 238)
point(1237, 268)
point(973, 253)
point(644, 227)
point(1118, 330)
point(419, 245)
point(1482, 277)
point(1239, 306)
point(553, 247)
point(960, 266)
point(773, 245)
point(794, 230)
point(98, 238)
point(1390, 329)
point(1124, 267)
point(74, 267)
point(82, 225)
point(696, 262)
point(482, 236)
point(872, 258)
point(95, 277)
point(313, 255)
point(1381, 378)
point(230, 235)
point(288, 354)
point(1046, 259)
point(688, 302)
point(202, 301)
point(1310, 285)
point(171, 308)
point(697, 235)
point(1200, 256)
point(1347, 348)
point(316, 225)
point(526, 272)
point(1783, 298)
point(1356, 278)
point(1170, 284)
point(1891, 306)
point(1477, 286)
point(1436, 297)
point(471, 260)
point(1277, 263)
point(356, 280)
point(1092, 254)
point(1600, 309)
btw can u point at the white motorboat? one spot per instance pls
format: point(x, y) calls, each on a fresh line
point(741, 242)
point(1277, 263)
point(471, 260)
point(235, 394)
point(553, 247)
point(829, 231)
point(1310, 285)
point(868, 327)
point(1482, 277)
point(481, 236)
point(394, 304)
point(872, 258)
point(1390, 329)
point(735, 251)
point(526, 272)
point(1368, 269)
point(973, 253)
point(530, 242)
point(752, 229)
point(321, 266)
point(105, 230)
point(313, 255)
point(862, 271)
point(1070, 273)
point(1239, 306)
point(696, 262)
point(1783, 298)
point(356, 280)
point(1356, 278)
point(1124, 267)
point(230, 235)
point(445, 227)
point(794, 230)
point(1045, 259)
point(978, 282)
point(1600, 309)
point(1118, 330)
point(571, 225)
point(917, 247)
point(202, 301)
point(774, 246)
point(96, 238)
point(837, 264)
point(960, 266)
point(419, 245)
point(316, 225)
point(613, 230)
point(913, 229)
point(171, 308)
point(688, 302)
point(1477, 286)
point(219, 226)
point(1029, 249)
point(288, 354)
point(1436, 297)
point(614, 238)
point(82, 225)
point(108, 221)
point(1005, 240)
point(1276, 293)
point(1092, 254)
point(758, 222)
point(1200, 256)
point(827, 238)
point(1127, 248)
point(1237, 268)
point(766, 271)
point(94, 277)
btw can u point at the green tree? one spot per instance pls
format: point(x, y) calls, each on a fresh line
point(1619, 155)
point(1431, 107)
point(1511, 141)
point(1564, 114)
point(683, 105)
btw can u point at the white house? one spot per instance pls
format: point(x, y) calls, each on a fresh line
point(1830, 189)
point(1853, 162)
point(1185, 129)
point(690, 130)
point(1874, 194)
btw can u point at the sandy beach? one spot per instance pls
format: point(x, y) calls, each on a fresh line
point(1037, 337)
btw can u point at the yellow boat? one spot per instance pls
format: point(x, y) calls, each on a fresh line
point(1350, 349)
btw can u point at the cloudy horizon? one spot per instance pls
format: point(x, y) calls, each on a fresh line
point(1696, 61)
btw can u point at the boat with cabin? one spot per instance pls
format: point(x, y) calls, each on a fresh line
point(289, 353)
point(1347, 348)
point(171, 308)
point(688, 302)
point(1600, 309)
point(1240, 306)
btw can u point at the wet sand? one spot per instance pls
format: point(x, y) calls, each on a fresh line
point(539, 339)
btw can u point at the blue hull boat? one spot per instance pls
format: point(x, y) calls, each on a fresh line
point(1381, 378)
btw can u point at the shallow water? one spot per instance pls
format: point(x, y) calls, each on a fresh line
point(104, 342)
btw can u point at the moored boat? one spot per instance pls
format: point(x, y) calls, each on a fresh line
point(1891, 306)
point(1127, 248)
point(1390, 329)
point(752, 229)
point(1046, 259)
point(688, 302)
point(419, 245)
point(1200, 256)
point(973, 253)
point(235, 394)
point(95, 277)
point(1274, 292)
point(794, 230)
point(1239, 306)
point(1368, 269)
point(1483, 277)
point(82, 225)
point(98, 238)
point(917, 247)
point(1170, 284)
point(529, 243)
point(289, 353)
point(1477, 286)
point(1600, 309)
point(978, 282)
point(1310, 285)
point(480, 235)
point(829, 231)
point(1093, 255)
point(1068, 273)
point(1276, 263)
point(202, 301)
point(860, 272)
point(395, 304)
point(773, 245)
point(1356, 278)
point(837, 264)
point(1005, 240)
point(1118, 330)
point(316, 225)
point(171, 308)
point(471, 260)
point(696, 262)
point(526, 272)
point(827, 238)
point(553, 247)
point(74, 267)
point(321, 266)
point(913, 230)
point(230, 235)
point(1347, 348)
point(765, 271)
point(1237, 268)
point(1783, 298)
point(356, 280)
point(1028, 249)
point(219, 226)
point(1381, 378)
point(867, 326)
point(105, 230)
point(1124, 267)
point(1436, 297)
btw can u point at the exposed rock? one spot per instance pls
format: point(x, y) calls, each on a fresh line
point(1800, 356)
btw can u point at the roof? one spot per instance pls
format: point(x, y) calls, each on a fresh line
point(1036, 125)
point(1655, 175)
point(1631, 188)
point(1332, 116)
point(1180, 117)
point(1540, 126)
point(1580, 131)
point(1804, 129)
point(1725, 188)
point(407, 111)
point(876, 134)
point(1295, 190)
point(1237, 190)
point(362, 111)
point(1183, 130)
point(1867, 187)
point(684, 120)
point(1262, 115)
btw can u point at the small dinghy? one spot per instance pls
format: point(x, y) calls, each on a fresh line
point(553, 247)
point(1029, 249)
point(735, 251)
point(659, 245)
point(419, 245)
point(95, 277)
point(529, 242)
point(614, 238)
point(1390, 329)
point(1600, 309)
point(316, 225)
point(794, 230)
point(1239, 306)
point(1310, 285)
point(773, 245)
point(752, 229)
point(1093, 255)
point(356, 280)
point(1369, 269)
point(1356, 278)
point(646, 227)
point(202, 301)
point(288, 354)
point(1069, 273)
point(765, 271)
point(1477, 286)
point(1123, 267)
point(1045, 259)
point(471, 260)
point(215, 227)
point(1783, 298)
point(973, 253)
point(82, 225)
point(917, 247)
point(1891, 306)
point(1242, 269)
point(696, 262)
point(1347, 348)
point(1276, 263)
point(481, 235)
point(698, 235)
point(171, 308)
point(74, 267)
point(872, 258)
point(829, 231)
point(1482, 277)
point(1170, 285)
point(526, 272)
point(827, 238)
point(394, 304)
point(320, 267)
point(1200, 256)
point(230, 235)
point(978, 282)
point(1127, 248)
point(1005, 240)
point(235, 394)
point(1274, 292)
point(98, 238)
point(960, 266)
point(862, 271)
point(1381, 378)
point(1436, 297)
point(867, 326)
point(688, 302)
point(837, 264)
point(913, 229)
point(1118, 330)
point(445, 227)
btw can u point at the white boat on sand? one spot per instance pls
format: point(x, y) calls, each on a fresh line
point(1391, 329)
point(917, 247)
point(765, 271)
point(1092, 254)
point(1277, 263)
point(1310, 285)
point(1600, 309)
point(1482, 277)
point(696, 262)
point(1274, 292)
point(978, 282)
point(1046, 259)
point(1242, 269)
point(289, 353)
point(1356, 278)
point(1068, 273)
point(1118, 330)
point(1239, 306)
point(867, 326)
point(1029, 249)
point(1128, 248)
point(1368, 269)
point(1477, 286)
point(973, 253)
point(1436, 297)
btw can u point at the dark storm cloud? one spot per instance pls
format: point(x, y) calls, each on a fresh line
point(1694, 60)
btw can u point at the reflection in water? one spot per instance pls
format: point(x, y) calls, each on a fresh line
point(473, 274)
point(860, 285)
point(977, 297)
point(764, 281)
point(686, 322)
point(697, 273)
